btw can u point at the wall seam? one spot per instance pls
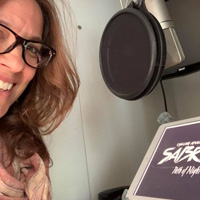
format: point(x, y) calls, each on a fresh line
point(85, 148)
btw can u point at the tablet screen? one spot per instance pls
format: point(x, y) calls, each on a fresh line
point(173, 172)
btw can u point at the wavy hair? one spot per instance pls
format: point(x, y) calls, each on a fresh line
point(49, 96)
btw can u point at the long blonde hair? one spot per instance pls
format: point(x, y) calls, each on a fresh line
point(48, 98)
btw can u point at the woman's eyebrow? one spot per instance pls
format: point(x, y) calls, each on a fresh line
point(33, 38)
point(5, 23)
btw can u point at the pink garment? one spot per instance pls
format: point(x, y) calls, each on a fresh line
point(24, 179)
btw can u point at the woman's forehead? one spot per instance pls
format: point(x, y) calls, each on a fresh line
point(23, 16)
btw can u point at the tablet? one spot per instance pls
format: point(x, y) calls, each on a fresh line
point(171, 166)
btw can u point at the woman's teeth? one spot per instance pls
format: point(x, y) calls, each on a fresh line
point(5, 86)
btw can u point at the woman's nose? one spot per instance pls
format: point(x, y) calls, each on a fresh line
point(14, 60)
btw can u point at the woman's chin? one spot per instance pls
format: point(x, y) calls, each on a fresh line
point(3, 112)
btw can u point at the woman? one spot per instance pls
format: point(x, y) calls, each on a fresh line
point(38, 84)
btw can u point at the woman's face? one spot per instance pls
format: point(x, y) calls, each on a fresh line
point(24, 17)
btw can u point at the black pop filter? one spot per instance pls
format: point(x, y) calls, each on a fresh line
point(132, 52)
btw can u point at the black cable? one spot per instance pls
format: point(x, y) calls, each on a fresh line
point(164, 97)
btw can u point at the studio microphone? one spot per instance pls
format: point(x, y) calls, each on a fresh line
point(175, 53)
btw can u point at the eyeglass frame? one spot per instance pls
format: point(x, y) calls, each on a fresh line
point(22, 41)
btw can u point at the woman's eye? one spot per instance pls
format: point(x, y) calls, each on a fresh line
point(32, 49)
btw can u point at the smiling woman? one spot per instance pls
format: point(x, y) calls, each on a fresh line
point(38, 85)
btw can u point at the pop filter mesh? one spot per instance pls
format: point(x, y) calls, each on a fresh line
point(128, 54)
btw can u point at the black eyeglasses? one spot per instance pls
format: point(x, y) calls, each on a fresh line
point(35, 54)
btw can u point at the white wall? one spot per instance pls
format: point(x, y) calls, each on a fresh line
point(101, 144)
point(116, 132)
point(69, 172)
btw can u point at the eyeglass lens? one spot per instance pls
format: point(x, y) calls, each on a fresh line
point(35, 54)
